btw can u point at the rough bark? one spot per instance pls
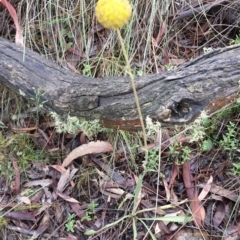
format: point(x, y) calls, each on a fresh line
point(206, 83)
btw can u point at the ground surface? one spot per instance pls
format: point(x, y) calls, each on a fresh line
point(102, 183)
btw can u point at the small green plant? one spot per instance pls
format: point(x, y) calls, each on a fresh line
point(3, 222)
point(87, 70)
point(151, 164)
point(206, 145)
point(236, 168)
point(182, 155)
point(38, 99)
point(66, 34)
point(170, 67)
point(27, 192)
point(186, 154)
point(235, 41)
point(72, 124)
point(90, 212)
point(229, 141)
point(173, 149)
point(70, 223)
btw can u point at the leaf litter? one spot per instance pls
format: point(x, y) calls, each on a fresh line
point(185, 194)
point(197, 198)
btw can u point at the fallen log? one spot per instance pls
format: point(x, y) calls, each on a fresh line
point(209, 83)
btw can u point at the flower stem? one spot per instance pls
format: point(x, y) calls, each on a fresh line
point(133, 87)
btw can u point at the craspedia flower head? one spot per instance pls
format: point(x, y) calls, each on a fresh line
point(113, 14)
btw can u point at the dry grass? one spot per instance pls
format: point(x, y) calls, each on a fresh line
point(67, 32)
point(157, 35)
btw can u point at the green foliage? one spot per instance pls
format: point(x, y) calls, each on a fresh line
point(207, 145)
point(173, 149)
point(170, 67)
point(186, 154)
point(6, 170)
point(229, 141)
point(236, 40)
point(180, 153)
point(23, 148)
point(236, 168)
point(87, 70)
point(90, 212)
point(38, 101)
point(70, 223)
point(151, 164)
point(25, 151)
point(3, 222)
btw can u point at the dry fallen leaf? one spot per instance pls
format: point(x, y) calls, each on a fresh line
point(43, 226)
point(19, 31)
point(198, 211)
point(67, 198)
point(166, 187)
point(59, 168)
point(65, 178)
point(218, 190)
point(89, 148)
point(43, 183)
point(206, 189)
point(24, 199)
point(219, 214)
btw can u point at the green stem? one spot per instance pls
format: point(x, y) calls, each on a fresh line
point(133, 87)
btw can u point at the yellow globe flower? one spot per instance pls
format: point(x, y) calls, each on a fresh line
point(113, 14)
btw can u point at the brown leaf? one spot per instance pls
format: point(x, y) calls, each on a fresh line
point(43, 183)
point(20, 216)
point(174, 175)
point(160, 35)
point(67, 198)
point(193, 234)
point(176, 62)
point(59, 168)
point(147, 204)
point(161, 228)
point(198, 211)
point(90, 148)
point(206, 189)
point(65, 178)
point(19, 31)
point(24, 199)
point(71, 237)
point(114, 175)
point(219, 214)
point(218, 190)
point(167, 190)
point(17, 174)
point(76, 208)
point(24, 130)
point(174, 198)
point(233, 230)
point(43, 226)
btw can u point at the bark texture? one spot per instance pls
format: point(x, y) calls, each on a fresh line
point(206, 83)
